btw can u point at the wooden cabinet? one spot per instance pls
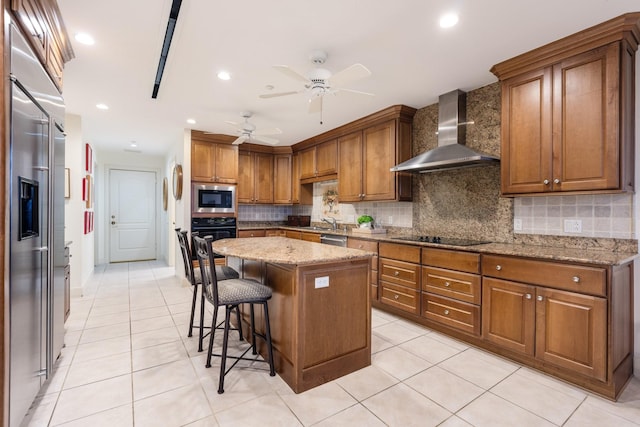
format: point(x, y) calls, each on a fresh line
point(255, 177)
point(370, 246)
point(282, 179)
point(399, 276)
point(319, 162)
point(252, 233)
point(451, 288)
point(567, 114)
point(275, 233)
point(310, 237)
point(211, 162)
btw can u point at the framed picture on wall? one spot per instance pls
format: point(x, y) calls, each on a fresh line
point(88, 158)
point(67, 183)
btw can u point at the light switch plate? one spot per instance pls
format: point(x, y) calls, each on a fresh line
point(517, 224)
point(322, 282)
point(573, 226)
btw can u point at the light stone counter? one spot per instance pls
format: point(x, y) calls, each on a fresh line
point(282, 250)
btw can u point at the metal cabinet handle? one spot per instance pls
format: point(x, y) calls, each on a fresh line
point(545, 182)
point(396, 273)
point(556, 181)
point(446, 312)
point(447, 284)
point(539, 298)
point(498, 267)
point(397, 296)
point(527, 296)
point(576, 279)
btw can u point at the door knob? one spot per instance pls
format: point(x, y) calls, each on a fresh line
point(113, 223)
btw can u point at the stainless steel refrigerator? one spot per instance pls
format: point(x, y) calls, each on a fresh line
point(36, 256)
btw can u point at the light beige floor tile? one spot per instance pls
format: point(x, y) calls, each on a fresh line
point(105, 332)
point(444, 388)
point(399, 363)
point(152, 381)
point(148, 313)
point(66, 355)
point(40, 412)
point(451, 342)
point(265, 411)
point(181, 307)
point(588, 415)
point(177, 407)
point(158, 354)
point(402, 406)
point(151, 338)
point(552, 383)
point(366, 382)
point(454, 421)
point(396, 333)
point(627, 406)
point(99, 369)
point(109, 309)
point(92, 398)
point(429, 349)
point(538, 398)
point(95, 320)
point(318, 403)
point(147, 303)
point(479, 370)
point(55, 382)
point(121, 416)
point(379, 344)
point(144, 325)
point(95, 350)
point(103, 302)
point(356, 415)
point(205, 422)
point(490, 410)
point(71, 338)
point(377, 320)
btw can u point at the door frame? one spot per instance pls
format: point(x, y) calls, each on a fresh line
point(104, 207)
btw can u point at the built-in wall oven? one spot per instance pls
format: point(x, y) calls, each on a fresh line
point(219, 228)
point(213, 199)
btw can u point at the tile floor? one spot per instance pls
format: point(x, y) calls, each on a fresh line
point(127, 361)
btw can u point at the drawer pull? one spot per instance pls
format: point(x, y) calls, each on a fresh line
point(447, 284)
point(397, 296)
point(539, 298)
point(359, 246)
point(396, 273)
point(446, 312)
point(498, 267)
point(527, 296)
point(576, 279)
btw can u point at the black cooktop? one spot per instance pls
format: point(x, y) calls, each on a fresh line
point(441, 240)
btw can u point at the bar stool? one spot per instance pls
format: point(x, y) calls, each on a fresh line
point(230, 294)
point(193, 275)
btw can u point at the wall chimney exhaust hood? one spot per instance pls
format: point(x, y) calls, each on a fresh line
point(451, 153)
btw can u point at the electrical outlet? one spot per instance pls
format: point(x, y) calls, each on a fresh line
point(517, 224)
point(572, 226)
point(322, 282)
point(390, 220)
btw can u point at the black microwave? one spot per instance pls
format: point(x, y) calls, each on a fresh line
point(213, 198)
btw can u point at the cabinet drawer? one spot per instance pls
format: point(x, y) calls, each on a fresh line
point(459, 315)
point(452, 284)
point(365, 245)
point(453, 260)
point(400, 272)
point(251, 233)
point(576, 278)
point(400, 297)
point(401, 252)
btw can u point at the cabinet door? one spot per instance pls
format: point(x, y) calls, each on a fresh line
point(526, 133)
point(282, 182)
point(31, 16)
point(263, 175)
point(379, 143)
point(350, 167)
point(572, 331)
point(327, 158)
point(307, 161)
point(226, 163)
point(202, 164)
point(508, 315)
point(245, 191)
point(586, 121)
point(251, 233)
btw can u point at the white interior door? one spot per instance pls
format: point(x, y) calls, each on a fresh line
point(132, 217)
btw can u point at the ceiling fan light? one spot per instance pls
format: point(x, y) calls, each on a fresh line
point(448, 20)
point(224, 75)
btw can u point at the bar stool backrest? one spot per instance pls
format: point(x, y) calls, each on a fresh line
point(204, 253)
point(183, 241)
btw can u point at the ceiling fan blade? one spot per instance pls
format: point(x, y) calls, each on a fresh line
point(315, 104)
point(273, 95)
point(349, 74)
point(240, 140)
point(232, 123)
point(265, 139)
point(269, 131)
point(338, 90)
point(291, 73)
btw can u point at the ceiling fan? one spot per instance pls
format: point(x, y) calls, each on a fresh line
point(320, 82)
point(247, 131)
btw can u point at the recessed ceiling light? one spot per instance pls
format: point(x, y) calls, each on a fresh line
point(102, 106)
point(133, 144)
point(448, 20)
point(84, 38)
point(191, 121)
point(224, 75)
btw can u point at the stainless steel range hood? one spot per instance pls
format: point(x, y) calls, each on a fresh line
point(451, 153)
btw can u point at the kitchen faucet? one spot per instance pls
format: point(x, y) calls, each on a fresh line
point(332, 221)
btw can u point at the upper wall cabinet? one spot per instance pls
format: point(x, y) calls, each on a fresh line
point(568, 112)
point(213, 158)
point(319, 162)
point(255, 178)
point(41, 23)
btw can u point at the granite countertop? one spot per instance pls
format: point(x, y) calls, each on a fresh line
point(281, 250)
point(588, 256)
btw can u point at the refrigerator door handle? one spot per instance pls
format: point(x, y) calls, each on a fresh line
point(41, 168)
point(42, 249)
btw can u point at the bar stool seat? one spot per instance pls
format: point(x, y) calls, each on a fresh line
point(230, 294)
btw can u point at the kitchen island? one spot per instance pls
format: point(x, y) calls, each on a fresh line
point(320, 312)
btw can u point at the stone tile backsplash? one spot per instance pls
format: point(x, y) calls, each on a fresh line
point(603, 215)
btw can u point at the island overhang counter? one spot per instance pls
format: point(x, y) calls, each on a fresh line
point(320, 311)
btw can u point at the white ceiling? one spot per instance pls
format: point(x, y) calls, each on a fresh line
point(411, 58)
